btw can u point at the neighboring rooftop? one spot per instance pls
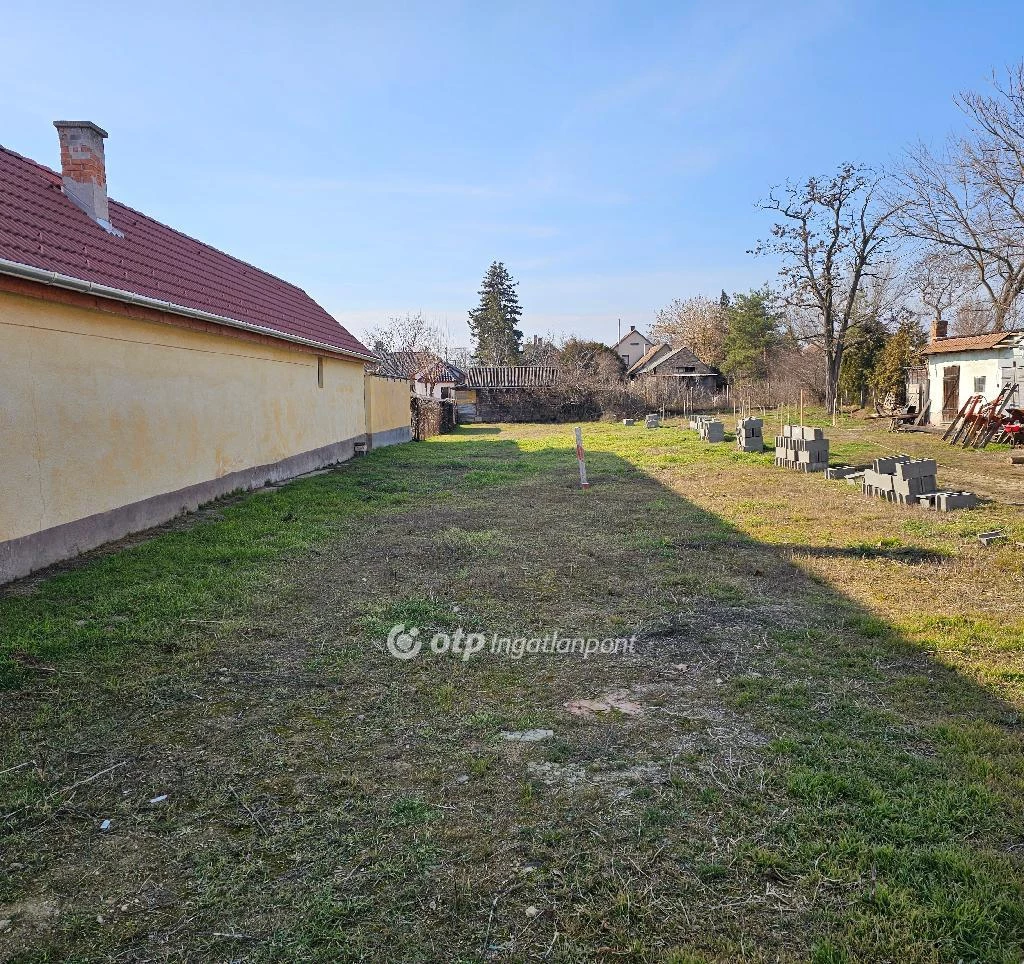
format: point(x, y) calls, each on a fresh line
point(971, 342)
point(43, 228)
point(423, 366)
point(511, 376)
point(682, 353)
point(634, 334)
point(648, 356)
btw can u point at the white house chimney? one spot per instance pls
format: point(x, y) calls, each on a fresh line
point(84, 167)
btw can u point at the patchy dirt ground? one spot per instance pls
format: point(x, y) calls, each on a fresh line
point(810, 751)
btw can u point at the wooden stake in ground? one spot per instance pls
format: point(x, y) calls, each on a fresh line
point(801, 406)
point(579, 458)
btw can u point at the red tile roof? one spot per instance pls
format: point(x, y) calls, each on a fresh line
point(967, 343)
point(42, 228)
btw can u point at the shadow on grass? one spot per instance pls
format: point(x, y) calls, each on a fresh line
point(807, 783)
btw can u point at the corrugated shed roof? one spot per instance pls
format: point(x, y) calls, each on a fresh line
point(968, 343)
point(511, 376)
point(42, 228)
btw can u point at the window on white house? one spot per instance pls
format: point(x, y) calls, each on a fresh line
point(319, 372)
point(625, 358)
point(979, 385)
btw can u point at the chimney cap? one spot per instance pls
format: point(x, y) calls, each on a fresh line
point(62, 124)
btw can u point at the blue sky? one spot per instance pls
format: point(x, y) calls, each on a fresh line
point(382, 155)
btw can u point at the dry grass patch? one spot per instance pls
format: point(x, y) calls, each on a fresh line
point(810, 753)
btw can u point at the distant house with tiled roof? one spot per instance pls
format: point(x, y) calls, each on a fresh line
point(682, 366)
point(655, 351)
point(957, 368)
point(632, 346)
point(143, 372)
point(428, 374)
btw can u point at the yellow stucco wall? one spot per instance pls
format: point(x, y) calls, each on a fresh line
point(387, 405)
point(99, 411)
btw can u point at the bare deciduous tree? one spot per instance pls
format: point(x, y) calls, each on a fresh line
point(968, 201)
point(696, 323)
point(940, 280)
point(409, 332)
point(831, 234)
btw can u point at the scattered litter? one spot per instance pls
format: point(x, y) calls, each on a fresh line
point(801, 447)
point(527, 736)
point(159, 799)
point(532, 911)
point(463, 779)
point(987, 538)
point(105, 825)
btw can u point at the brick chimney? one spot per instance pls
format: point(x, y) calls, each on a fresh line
point(84, 168)
point(940, 329)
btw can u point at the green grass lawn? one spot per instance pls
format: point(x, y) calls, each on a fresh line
point(814, 751)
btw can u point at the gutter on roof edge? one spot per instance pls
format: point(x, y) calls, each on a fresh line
point(56, 280)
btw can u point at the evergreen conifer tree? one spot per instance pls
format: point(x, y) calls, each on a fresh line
point(494, 323)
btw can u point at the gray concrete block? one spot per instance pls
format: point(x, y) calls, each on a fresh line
point(887, 465)
point(956, 500)
point(915, 468)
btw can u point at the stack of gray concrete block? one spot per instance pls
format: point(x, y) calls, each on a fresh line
point(801, 447)
point(750, 435)
point(653, 421)
point(711, 430)
point(899, 478)
point(629, 421)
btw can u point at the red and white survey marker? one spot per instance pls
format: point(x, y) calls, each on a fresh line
point(580, 458)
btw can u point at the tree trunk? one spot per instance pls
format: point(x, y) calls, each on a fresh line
point(833, 363)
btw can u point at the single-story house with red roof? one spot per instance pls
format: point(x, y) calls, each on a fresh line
point(957, 368)
point(143, 372)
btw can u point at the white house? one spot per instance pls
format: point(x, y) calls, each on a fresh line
point(974, 365)
point(428, 375)
point(632, 346)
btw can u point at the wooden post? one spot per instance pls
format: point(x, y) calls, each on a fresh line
point(801, 406)
point(579, 458)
